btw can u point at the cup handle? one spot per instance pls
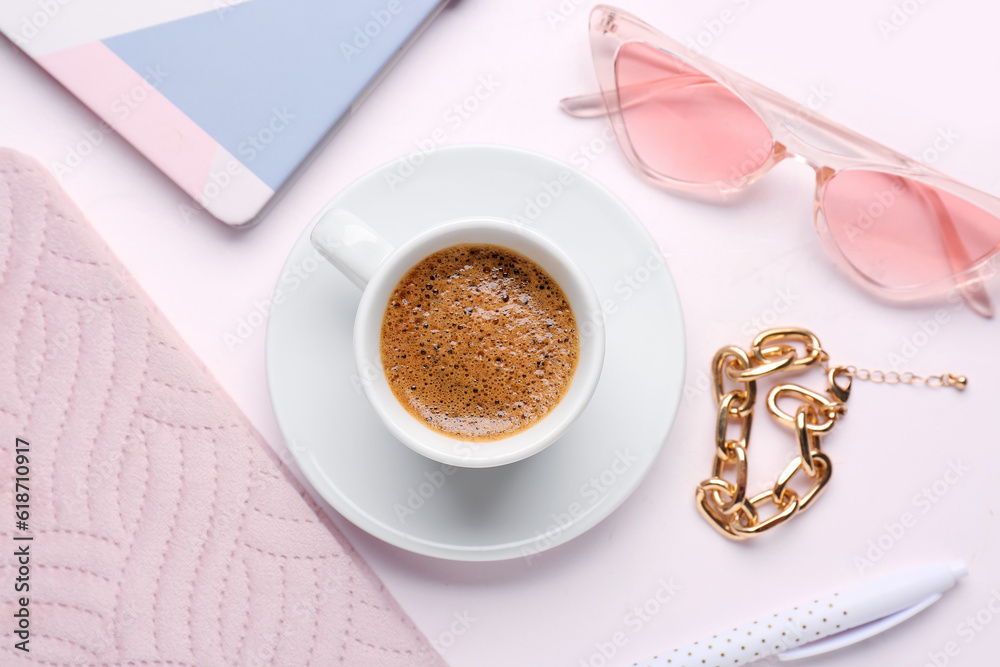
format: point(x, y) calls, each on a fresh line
point(349, 244)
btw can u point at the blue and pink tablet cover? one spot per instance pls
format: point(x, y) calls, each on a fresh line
point(227, 97)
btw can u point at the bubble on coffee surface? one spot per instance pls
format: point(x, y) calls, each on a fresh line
point(478, 342)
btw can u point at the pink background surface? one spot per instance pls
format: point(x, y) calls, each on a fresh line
point(926, 89)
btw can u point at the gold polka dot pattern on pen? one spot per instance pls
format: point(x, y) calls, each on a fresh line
point(784, 631)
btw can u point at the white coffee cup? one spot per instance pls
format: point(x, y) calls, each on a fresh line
point(376, 267)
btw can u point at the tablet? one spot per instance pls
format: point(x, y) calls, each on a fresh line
point(228, 98)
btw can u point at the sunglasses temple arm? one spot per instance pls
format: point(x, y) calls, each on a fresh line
point(976, 298)
point(972, 292)
point(584, 106)
point(595, 105)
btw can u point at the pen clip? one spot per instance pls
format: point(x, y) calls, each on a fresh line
point(855, 635)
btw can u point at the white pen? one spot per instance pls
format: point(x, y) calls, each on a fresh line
point(822, 625)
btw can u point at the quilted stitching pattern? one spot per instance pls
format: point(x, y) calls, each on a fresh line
point(166, 533)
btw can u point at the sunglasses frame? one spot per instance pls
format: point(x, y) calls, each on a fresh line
point(611, 28)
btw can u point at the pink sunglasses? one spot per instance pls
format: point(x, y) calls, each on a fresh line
point(901, 229)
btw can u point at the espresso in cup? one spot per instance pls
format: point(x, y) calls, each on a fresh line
point(478, 342)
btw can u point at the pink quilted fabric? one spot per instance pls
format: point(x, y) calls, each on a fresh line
point(165, 532)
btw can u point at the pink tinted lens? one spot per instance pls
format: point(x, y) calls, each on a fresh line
point(901, 233)
point(682, 123)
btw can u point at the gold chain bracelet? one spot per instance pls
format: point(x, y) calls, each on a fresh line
point(724, 503)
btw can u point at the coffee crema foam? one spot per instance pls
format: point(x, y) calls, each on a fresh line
point(478, 342)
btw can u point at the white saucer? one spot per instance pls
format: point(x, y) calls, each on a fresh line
point(496, 513)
